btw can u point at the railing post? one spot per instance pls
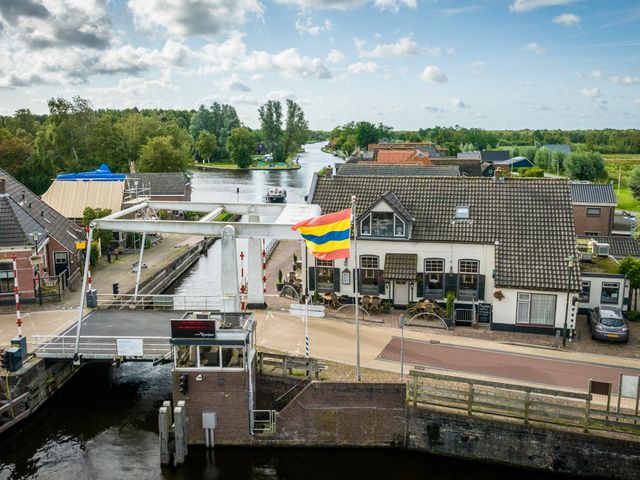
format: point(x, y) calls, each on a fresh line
point(587, 410)
point(527, 399)
point(470, 400)
point(415, 390)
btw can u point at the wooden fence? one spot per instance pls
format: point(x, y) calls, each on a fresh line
point(529, 404)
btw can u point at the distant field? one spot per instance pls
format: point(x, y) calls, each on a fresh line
point(622, 163)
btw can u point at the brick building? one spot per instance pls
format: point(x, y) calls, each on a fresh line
point(594, 206)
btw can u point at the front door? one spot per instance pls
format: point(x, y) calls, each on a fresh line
point(400, 293)
point(62, 262)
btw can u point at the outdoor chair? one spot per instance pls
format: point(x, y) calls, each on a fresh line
point(375, 304)
point(366, 302)
point(335, 301)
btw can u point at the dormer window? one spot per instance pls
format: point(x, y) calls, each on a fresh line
point(382, 224)
point(462, 213)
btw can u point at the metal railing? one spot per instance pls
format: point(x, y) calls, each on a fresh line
point(288, 363)
point(14, 410)
point(263, 421)
point(97, 347)
point(464, 315)
point(530, 404)
point(161, 302)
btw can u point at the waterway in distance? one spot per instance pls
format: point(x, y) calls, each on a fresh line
point(103, 423)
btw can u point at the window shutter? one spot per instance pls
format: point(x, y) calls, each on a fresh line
point(419, 285)
point(336, 280)
point(358, 280)
point(312, 278)
point(381, 289)
point(451, 283)
point(480, 287)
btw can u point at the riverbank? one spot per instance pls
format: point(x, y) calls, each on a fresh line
point(232, 166)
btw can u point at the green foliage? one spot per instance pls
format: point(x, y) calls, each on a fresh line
point(633, 316)
point(282, 143)
point(532, 172)
point(542, 158)
point(630, 268)
point(280, 276)
point(90, 214)
point(557, 162)
point(206, 145)
point(450, 297)
point(634, 182)
point(585, 166)
point(219, 119)
point(160, 154)
point(241, 144)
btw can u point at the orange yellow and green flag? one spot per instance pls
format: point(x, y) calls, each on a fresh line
point(327, 236)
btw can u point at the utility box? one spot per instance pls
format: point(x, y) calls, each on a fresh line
point(209, 420)
point(15, 359)
point(21, 343)
point(92, 298)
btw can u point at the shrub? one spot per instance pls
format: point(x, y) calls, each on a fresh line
point(633, 315)
point(532, 172)
point(585, 166)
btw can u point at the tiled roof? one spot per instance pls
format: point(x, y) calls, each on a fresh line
point(400, 266)
point(174, 183)
point(398, 170)
point(16, 224)
point(531, 219)
point(468, 166)
point(71, 198)
point(619, 247)
point(62, 229)
point(593, 193)
point(403, 156)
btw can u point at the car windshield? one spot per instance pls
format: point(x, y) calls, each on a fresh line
point(612, 322)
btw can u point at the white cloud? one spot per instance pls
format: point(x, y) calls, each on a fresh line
point(433, 74)
point(477, 64)
point(363, 67)
point(596, 74)
point(176, 53)
point(637, 102)
point(535, 48)
point(392, 5)
point(567, 19)
point(591, 92)
point(335, 56)
point(529, 5)
point(305, 24)
point(457, 103)
point(405, 46)
point(626, 80)
point(432, 109)
point(235, 84)
point(281, 95)
point(192, 17)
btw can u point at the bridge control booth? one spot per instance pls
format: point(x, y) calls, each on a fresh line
point(214, 371)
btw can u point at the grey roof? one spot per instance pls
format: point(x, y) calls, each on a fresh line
point(60, 228)
point(467, 166)
point(593, 193)
point(532, 219)
point(485, 155)
point(513, 161)
point(173, 183)
point(401, 266)
point(558, 147)
point(619, 247)
point(469, 155)
point(398, 170)
point(16, 224)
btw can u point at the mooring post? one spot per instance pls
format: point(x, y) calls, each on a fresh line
point(163, 430)
point(178, 436)
point(183, 405)
point(167, 404)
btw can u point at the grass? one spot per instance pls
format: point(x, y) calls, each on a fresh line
point(622, 164)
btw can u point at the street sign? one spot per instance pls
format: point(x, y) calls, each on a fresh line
point(129, 347)
point(193, 329)
point(303, 307)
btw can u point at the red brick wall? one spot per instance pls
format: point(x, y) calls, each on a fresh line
point(602, 224)
point(25, 274)
point(55, 246)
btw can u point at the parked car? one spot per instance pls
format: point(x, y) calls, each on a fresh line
point(607, 323)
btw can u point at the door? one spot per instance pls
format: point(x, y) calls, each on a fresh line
point(62, 262)
point(400, 293)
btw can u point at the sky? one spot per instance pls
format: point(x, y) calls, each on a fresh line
point(410, 64)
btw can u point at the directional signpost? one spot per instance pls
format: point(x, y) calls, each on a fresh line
point(306, 311)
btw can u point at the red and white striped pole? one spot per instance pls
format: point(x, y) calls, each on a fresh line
point(264, 267)
point(16, 291)
point(89, 279)
point(243, 289)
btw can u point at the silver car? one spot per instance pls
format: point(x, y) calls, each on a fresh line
point(607, 323)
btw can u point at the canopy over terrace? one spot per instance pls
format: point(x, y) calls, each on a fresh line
point(286, 215)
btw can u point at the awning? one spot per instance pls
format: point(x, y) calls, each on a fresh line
point(401, 266)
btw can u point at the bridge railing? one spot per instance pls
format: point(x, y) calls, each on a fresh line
point(97, 347)
point(161, 302)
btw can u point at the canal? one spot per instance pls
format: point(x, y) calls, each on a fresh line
point(102, 424)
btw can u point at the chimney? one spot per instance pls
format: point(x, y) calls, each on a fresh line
point(2, 186)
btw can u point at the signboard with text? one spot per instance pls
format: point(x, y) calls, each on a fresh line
point(130, 347)
point(193, 329)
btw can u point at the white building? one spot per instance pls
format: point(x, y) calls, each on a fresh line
point(500, 245)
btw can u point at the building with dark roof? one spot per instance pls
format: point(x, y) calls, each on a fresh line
point(372, 168)
point(594, 206)
point(499, 245)
point(513, 163)
point(486, 155)
point(469, 167)
point(172, 186)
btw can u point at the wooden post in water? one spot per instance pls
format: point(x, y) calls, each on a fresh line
point(163, 430)
point(167, 404)
point(178, 435)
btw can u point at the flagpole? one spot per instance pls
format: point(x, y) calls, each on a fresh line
point(356, 288)
point(306, 303)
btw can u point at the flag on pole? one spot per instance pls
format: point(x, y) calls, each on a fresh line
point(327, 236)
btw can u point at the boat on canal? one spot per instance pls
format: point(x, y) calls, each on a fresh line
point(276, 195)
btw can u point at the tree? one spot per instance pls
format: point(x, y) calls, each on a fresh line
point(206, 145)
point(543, 158)
point(634, 182)
point(630, 268)
point(218, 119)
point(271, 125)
point(585, 166)
point(160, 155)
point(90, 214)
point(557, 162)
point(296, 129)
point(241, 144)
point(366, 133)
point(14, 151)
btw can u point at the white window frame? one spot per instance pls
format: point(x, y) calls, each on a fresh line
point(609, 285)
point(592, 213)
point(396, 221)
point(526, 303)
point(322, 264)
point(463, 213)
point(206, 368)
point(369, 266)
point(58, 254)
point(429, 270)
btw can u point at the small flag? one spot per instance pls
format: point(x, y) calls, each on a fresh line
point(327, 236)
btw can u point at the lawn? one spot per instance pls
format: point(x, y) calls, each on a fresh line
point(622, 165)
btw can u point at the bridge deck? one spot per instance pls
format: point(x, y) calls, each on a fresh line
point(102, 329)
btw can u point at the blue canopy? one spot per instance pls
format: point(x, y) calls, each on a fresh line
point(102, 174)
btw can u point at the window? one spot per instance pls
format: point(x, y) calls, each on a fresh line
point(434, 276)
point(6, 277)
point(536, 309)
point(593, 212)
point(324, 272)
point(61, 258)
point(462, 213)
point(370, 265)
point(591, 234)
point(585, 291)
point(610, 292)
point(382, 224)
point(208, 356)
point(468, 278)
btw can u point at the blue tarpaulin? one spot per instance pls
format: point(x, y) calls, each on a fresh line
point(102, 174)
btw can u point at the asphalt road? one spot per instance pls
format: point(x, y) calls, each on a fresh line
point(508, 365)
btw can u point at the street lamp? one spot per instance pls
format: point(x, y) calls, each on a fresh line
point(35, 236)
point(571, 263)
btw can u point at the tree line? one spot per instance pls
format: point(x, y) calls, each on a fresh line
point(75, 137)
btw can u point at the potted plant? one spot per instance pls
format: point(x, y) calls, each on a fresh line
point(451, 297)
point(279, 284)
point(386, 306)
point(498, 295)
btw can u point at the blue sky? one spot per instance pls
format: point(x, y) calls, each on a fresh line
point(408, 63)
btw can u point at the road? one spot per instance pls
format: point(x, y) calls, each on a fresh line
point(527, 368)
